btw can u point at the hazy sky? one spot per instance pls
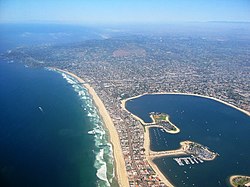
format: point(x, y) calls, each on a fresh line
point(123, 11)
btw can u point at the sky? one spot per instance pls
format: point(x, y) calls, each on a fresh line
point(123, 11)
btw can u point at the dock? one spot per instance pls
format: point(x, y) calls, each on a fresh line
point(181, 161)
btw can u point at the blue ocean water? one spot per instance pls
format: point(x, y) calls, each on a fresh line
point(50, 131)
point(223, 129)
point(45, 135)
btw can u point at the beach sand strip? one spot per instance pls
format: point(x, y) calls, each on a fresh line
point(120, 167)
point(147, 137)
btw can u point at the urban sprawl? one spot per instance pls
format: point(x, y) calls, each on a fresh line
point(120, 68)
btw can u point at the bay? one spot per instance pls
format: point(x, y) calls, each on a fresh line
point(222, 128)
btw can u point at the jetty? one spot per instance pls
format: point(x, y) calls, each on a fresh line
point(198, 153)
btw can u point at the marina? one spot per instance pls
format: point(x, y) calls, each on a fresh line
point(181, 161)
point(200, 114)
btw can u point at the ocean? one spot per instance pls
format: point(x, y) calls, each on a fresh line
point(51, 133)
point(223, 129)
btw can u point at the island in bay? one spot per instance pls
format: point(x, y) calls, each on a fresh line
point(240, 180)
point(176, 107)
point(201, 142)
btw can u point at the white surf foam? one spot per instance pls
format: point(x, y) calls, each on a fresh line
point(103, 151)
point(101, 167)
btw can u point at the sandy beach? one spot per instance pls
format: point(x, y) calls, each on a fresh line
point(147, 142)
point(231, 179)
point(147, 138)
point(236, 176)
point(123, 104)
point(150, 160)
point(120, 167)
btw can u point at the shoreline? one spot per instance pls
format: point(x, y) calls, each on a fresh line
point(150, 160)
point(236, 176)
point(147, 136)
point(123, 102)
point(119, 165)
point(167, 120)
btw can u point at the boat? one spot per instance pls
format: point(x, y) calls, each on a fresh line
point(40, 108)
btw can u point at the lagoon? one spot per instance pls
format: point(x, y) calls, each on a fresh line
point(222, 128)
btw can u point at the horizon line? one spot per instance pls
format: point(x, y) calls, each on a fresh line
point(115, 23)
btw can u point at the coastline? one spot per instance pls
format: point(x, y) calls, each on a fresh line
point(147, 136)
point(150, 160)
point(123, 103)
point(236, 176)
point(167, 120)
point(120, 168)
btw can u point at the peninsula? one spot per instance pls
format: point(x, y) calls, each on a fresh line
point(120, 68)
point(160, 120)
point(198, 152)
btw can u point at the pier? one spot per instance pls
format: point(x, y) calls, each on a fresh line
point(154, 154)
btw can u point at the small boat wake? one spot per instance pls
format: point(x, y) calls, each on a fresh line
point(40, 108)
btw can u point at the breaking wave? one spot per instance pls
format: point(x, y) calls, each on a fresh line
point(104, 161)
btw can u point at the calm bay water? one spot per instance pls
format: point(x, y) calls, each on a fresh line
point(223, 129)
